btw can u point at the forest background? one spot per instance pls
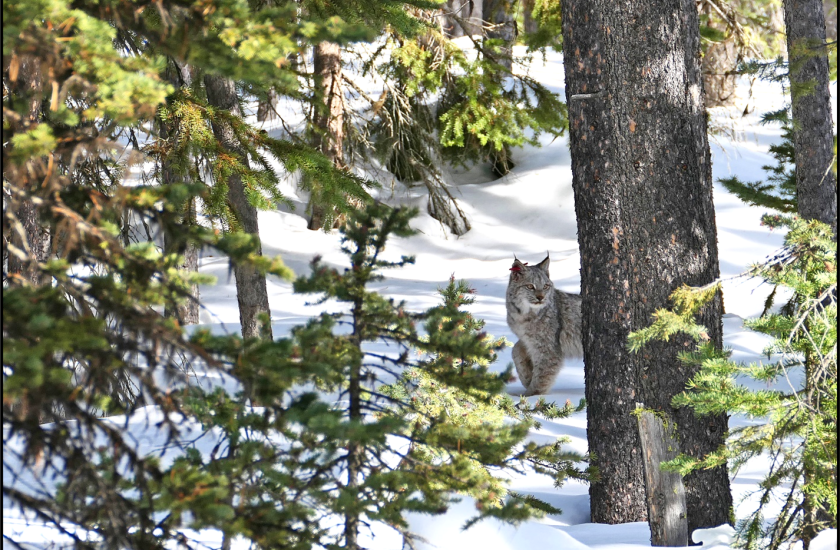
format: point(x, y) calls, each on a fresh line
point(101, 276)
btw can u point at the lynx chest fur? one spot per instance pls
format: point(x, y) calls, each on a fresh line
point(547, 323)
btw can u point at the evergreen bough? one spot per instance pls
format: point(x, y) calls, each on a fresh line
point(440, 427)
point(799, 434)
point(327, 450)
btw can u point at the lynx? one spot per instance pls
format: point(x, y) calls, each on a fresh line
point(547, 322)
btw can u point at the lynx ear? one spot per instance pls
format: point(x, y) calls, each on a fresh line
point(544, 264)
point(516, 270)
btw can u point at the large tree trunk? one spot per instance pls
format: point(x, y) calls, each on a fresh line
point(328, 120)
point(251, 291)
point(643, 198)
point(813, 143)
point(816, 183)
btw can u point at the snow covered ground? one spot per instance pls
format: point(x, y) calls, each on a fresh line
point(528, 212)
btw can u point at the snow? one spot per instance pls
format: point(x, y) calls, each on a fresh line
point(527, 213)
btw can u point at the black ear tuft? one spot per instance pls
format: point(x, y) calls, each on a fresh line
point(544, 264)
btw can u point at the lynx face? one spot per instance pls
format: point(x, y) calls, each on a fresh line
point(531, 285)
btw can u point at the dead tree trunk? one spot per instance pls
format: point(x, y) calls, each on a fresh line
point(665, 492)
point(251, 291)
point(328, 121)
point(643, 198)
point(813, 136)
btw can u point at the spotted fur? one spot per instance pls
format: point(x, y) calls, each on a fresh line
point(547, 322)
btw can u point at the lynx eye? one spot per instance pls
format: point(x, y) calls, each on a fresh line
point(529, 287)
point(546, 287)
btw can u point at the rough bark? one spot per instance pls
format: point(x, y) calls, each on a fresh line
point(251, 291)
point(30, 234)
point(329, 118)
point(816, 183)
point(34, 237)
point(643, 198)
point(665, 491)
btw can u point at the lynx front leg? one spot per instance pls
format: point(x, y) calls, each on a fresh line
point(523, 364)
point(543, 377)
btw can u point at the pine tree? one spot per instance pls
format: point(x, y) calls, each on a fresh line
point(446, 454)
point(800, 428)
point(807, 73)
point(90, 354)
point(251, 291)
point(441, 105)
point(328, 122)
point(83, 334)
point(779, 191)
point(643, 198)
point(815, 150)
point(169, 172)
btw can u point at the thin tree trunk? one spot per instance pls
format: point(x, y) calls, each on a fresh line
point(643, 198)
point(186, 312)
point(502, 26)
point(328, 121)
point(31, 234)
point(813, 142)
point(354, 449)
point(830, 13)
point(35, 237)
point(267, 108)
point(529, 24)
point(719, 64)
point(815, 517)
point(462, 17)
point(251, 291)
